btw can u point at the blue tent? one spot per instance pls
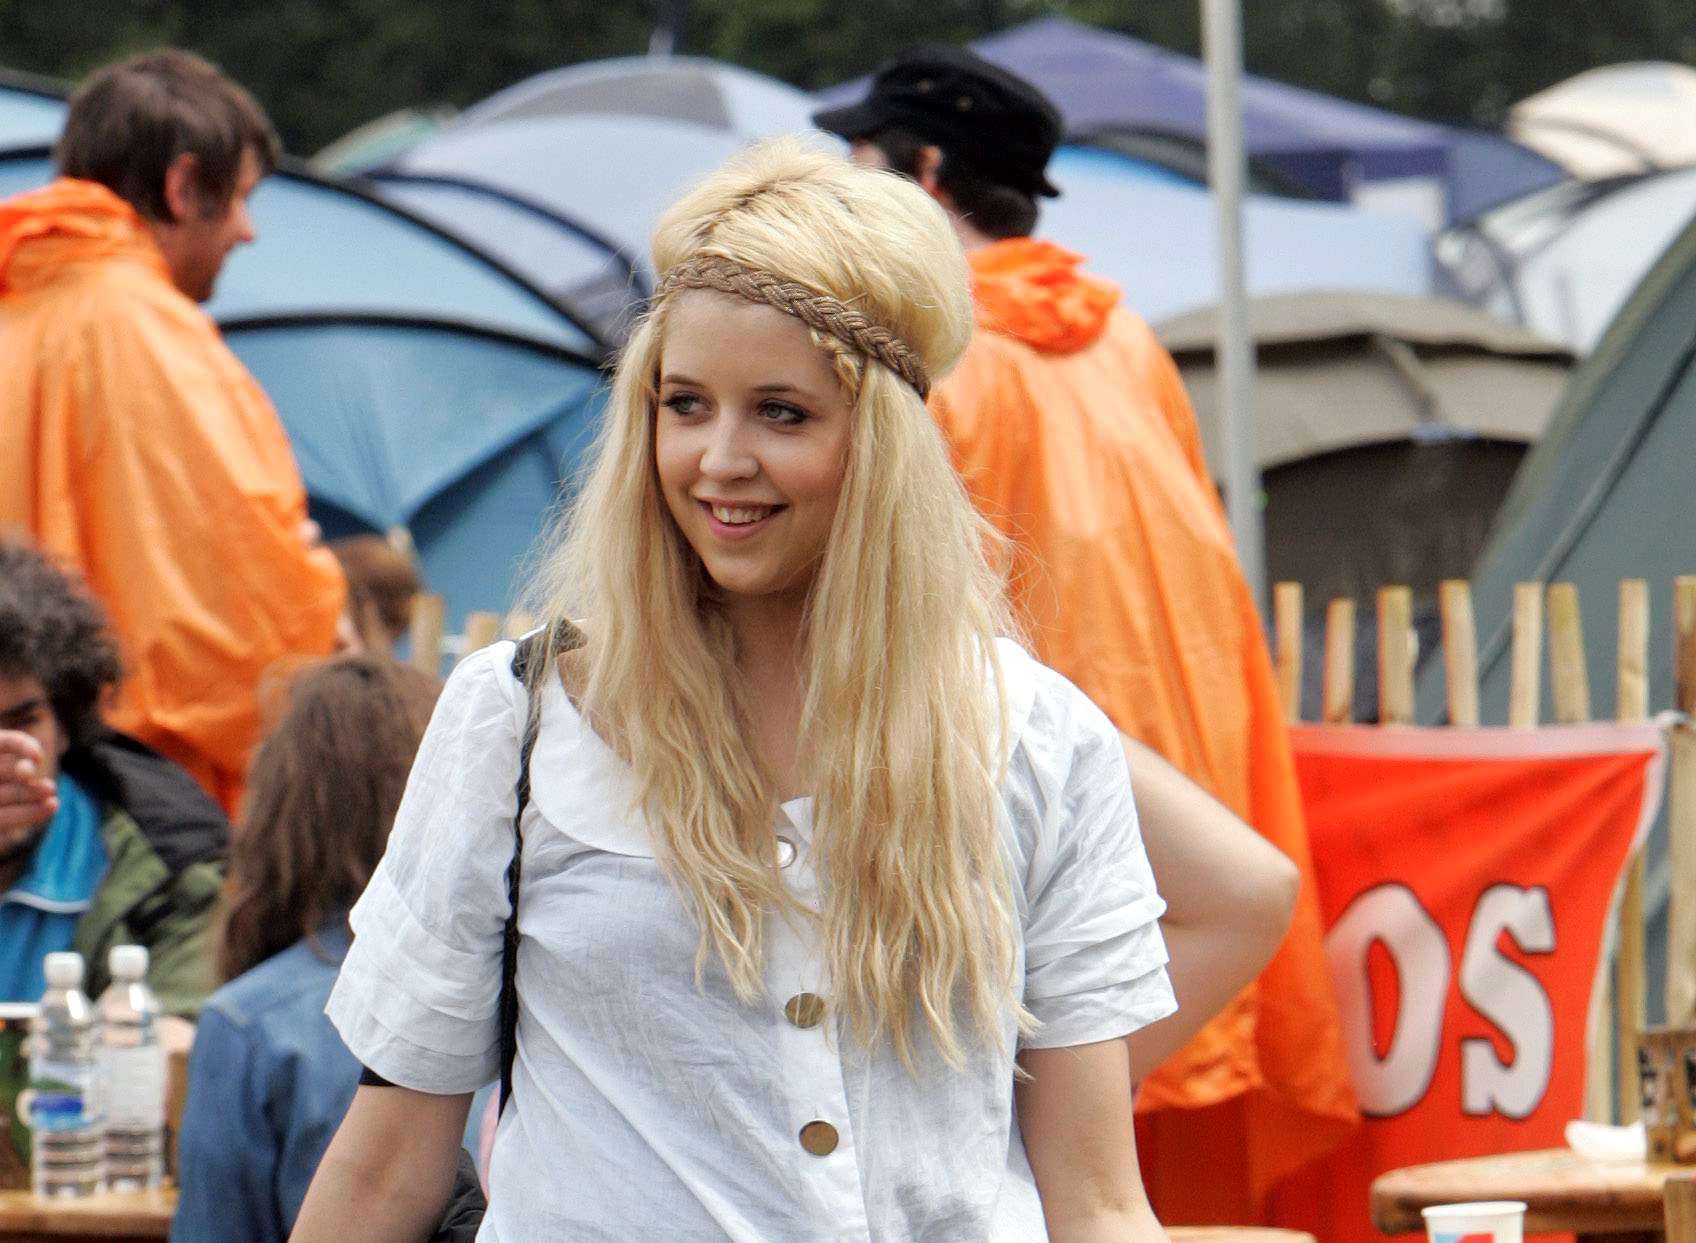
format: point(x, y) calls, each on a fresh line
point(608, 145)
point(1107, 83)
point(31, 111)
point(572, 263)
point(422, 383)
point(1107, 204)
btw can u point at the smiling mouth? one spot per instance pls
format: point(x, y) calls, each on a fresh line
point(740, 515)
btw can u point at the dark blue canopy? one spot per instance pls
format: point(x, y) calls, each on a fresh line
point(1105, 82)
point(421, 383)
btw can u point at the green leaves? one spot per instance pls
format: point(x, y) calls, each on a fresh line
point(322, 67)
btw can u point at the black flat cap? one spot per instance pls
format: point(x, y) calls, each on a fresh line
point(973, 109)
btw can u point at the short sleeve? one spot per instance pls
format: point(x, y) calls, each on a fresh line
point(1095, 962)
point(418, 993)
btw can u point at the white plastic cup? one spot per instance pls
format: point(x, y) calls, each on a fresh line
point(1484, 1221)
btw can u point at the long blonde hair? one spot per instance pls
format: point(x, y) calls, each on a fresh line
point(903, 719)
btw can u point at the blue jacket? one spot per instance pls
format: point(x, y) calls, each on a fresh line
point(268, 1082)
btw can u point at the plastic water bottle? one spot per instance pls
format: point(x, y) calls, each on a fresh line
point(64, 1084)
point(132, 1072)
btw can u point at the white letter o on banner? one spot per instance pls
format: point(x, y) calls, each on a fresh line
point(1391, 915)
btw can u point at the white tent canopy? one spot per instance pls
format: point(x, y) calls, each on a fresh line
point(1562, 261)
point(1628, 118)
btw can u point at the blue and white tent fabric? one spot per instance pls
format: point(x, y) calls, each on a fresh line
point(31, 112)
point(607, 145)
point(1157, 241)
point(1563, 261)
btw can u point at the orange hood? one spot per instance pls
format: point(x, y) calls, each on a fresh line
point(68, 222)
point(1036, 292)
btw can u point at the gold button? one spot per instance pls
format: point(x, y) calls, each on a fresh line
point(805, 1009)
point(785, 852)
point(819, 1138)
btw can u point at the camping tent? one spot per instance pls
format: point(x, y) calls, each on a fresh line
point(1629, 118)
point(1606, 496)
point(1157, 241)
point(1388, 430)
point(421, 383)
point(378, 141)
point(31, 111)
point(1110, 84)
point(1561, 261)
point(607, 145)
point(573, 264)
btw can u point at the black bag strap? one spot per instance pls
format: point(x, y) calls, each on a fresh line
point(527, 663)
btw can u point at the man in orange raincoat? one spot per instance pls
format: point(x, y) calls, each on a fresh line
point(1071, 428)
point(137, 449)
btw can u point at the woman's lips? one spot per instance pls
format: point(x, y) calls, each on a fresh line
point(731, 531)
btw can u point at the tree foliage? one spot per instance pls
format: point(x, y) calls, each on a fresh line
point(323, 66)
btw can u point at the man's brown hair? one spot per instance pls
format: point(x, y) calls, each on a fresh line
point(129, 120)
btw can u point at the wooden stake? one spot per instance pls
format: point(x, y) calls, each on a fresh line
point(481, 629)
point(1525, 699)
point(1287, 630)
point(1570, 682)
point(1681, 819)
point(1568, 677)
point(1339, 663)
point(1679, 1196)
point(1395, 656)
point(426, 634)
point(1630, 978)
point(1460, 651)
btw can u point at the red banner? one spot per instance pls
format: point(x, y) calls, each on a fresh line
point(1467, 879)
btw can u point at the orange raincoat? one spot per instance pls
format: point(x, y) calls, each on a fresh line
point(1072, 430)
point(139, 452)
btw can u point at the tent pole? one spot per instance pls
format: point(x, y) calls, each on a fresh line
point(1227, 166)
point(667, 37)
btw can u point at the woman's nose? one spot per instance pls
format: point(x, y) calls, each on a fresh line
point(729, 451)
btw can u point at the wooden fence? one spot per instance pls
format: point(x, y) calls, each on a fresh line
point(1616, 1022)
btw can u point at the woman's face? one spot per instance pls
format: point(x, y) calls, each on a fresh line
point(750, 441)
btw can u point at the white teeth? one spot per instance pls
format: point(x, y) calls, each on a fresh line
point(737, 516)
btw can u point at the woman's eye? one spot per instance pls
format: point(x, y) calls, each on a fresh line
point(783, 414)
point(682, 403)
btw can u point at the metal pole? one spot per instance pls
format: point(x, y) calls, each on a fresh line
point(667, 36)
point(1222, 40)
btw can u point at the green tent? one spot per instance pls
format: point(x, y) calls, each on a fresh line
point(1609, 493)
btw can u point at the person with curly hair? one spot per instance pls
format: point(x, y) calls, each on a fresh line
point(103, 841)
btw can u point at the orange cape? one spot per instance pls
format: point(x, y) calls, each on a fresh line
point(140, 453)
point(1071, 428)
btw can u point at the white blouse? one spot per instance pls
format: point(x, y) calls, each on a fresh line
point(646, 1107)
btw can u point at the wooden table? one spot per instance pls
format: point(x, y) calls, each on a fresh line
point(1562, 1191)
point(127, 1217)
point(1236, 1234)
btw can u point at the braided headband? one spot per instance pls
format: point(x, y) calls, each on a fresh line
point(818, 311)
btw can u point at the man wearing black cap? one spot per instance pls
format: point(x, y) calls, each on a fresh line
point(1071, 428)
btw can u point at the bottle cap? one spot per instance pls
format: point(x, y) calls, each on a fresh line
point(63, 970)
point(127, 962)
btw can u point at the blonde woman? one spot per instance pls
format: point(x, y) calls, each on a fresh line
point(834, 913)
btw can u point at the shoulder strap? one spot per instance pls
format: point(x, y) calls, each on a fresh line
point(527, 663)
